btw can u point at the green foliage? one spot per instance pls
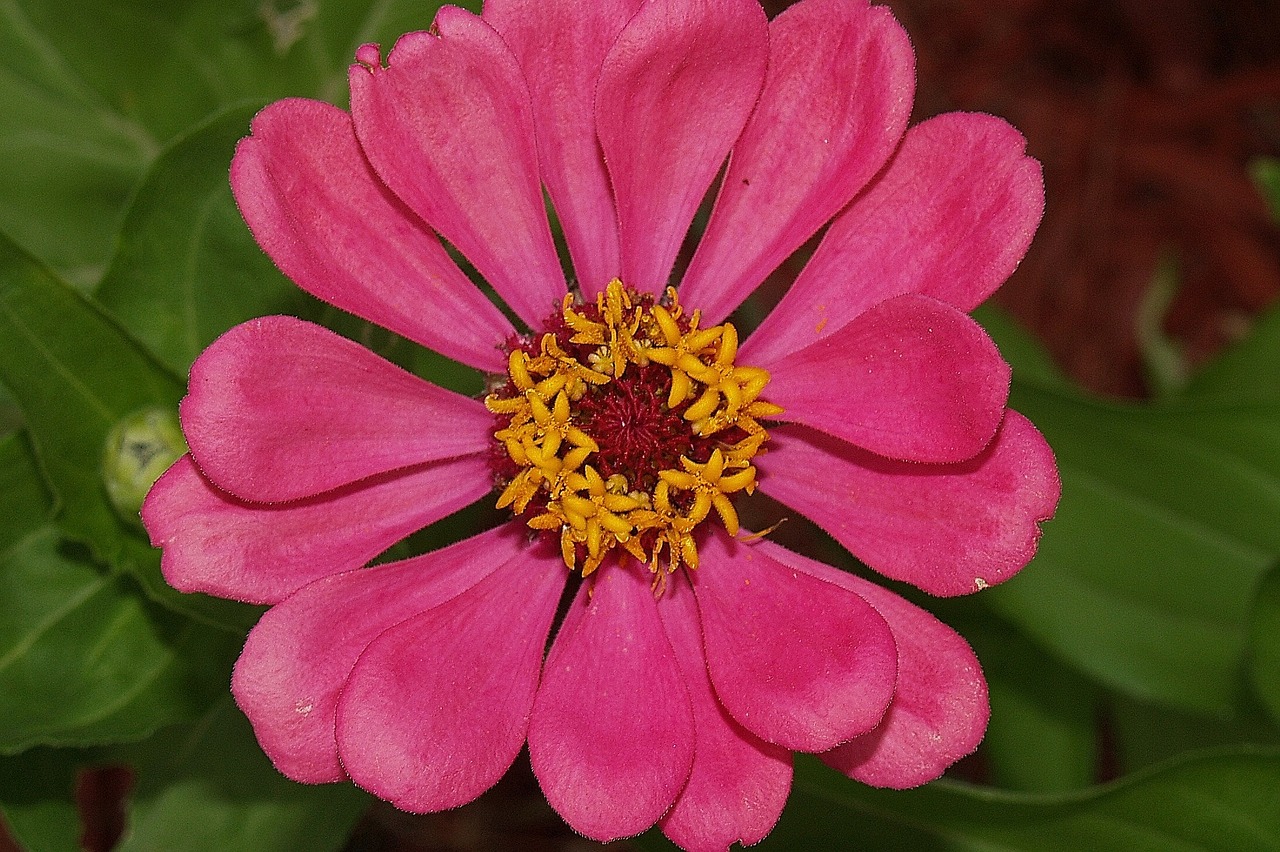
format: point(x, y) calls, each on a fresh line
point(208, 786)
point(1264, 665)
point(93, 92)
point(1221, 801)
point(1266, 174)
point(76, 374)
point(204, 785)
point(186, 268)
point(1146, 585)
point(1225, 802)
point(85, 658)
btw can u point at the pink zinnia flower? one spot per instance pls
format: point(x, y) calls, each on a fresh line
point(693, 657)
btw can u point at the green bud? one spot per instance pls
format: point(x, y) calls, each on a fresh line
point(139, 448)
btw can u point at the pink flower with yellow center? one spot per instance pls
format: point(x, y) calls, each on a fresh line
point(625, 416)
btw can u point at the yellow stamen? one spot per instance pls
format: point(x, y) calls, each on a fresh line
point(559, 457)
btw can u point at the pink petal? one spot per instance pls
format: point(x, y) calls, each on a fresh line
point(561, 45)
point(795, 660)
point(835, 103)
point(939, 711)
point(279, 409)
point(262, 553)
point(951, 217)
point(449, 128)
point(947, 529)
point(317, 208)
point(674, 94)
point(739, 783)
point(437, 707)
point(611, 739)
point(911, 378)
point(297, 659)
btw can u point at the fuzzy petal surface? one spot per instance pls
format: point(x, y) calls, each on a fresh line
point(675, 91)
point(297, 659)
point(795, 660)
point(612, 735)
point(946, 529)
point(951, 217)
point(262, 553)
point(280, 409)
point(835, 103)
point(561, 45)
point(316, 207)
point(939, 711)
point(912, 378)
point(449, 127)
point(437, 707)
point(739, 783)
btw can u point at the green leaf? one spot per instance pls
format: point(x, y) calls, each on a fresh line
point(1264, 663)
point(70, 159)
point(37, 796)
point(208, 786)
point(1164, 359)
point(1227, 801)
point(1266, 175)
point(94, 90)
point(187, 268)
point(84, 658)
point(1150, 734)
point(1223, 801)
point(1247, 372)
point(75, 374)
point(1043, 732)
point(200, 786)
point(1145, 577)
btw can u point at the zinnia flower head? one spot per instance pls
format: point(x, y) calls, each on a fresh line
point(624, 417)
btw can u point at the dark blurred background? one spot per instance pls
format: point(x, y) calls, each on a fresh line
point(1146, 115)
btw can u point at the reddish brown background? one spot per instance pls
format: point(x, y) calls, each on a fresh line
point(1145, 114)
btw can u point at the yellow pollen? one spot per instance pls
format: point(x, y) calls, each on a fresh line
point(563, 477)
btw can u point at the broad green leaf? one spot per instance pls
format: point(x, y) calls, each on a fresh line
point(199, 786)
point(1164, 358)
point(27, 504)
point(84, 658)
point(208, 786)
point(1249, 371)
point(10, 413)
point(1149, 734)
point(1264, 664)
point(1266, 175)
point(75, 374)
point(1226, 802)
point(1146, 575)
point(94, 90)
point(1043, 732)
point(37, 797)
point(187, 268)
point(70, 158)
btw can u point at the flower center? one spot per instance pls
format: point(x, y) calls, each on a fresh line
point(624, 426)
